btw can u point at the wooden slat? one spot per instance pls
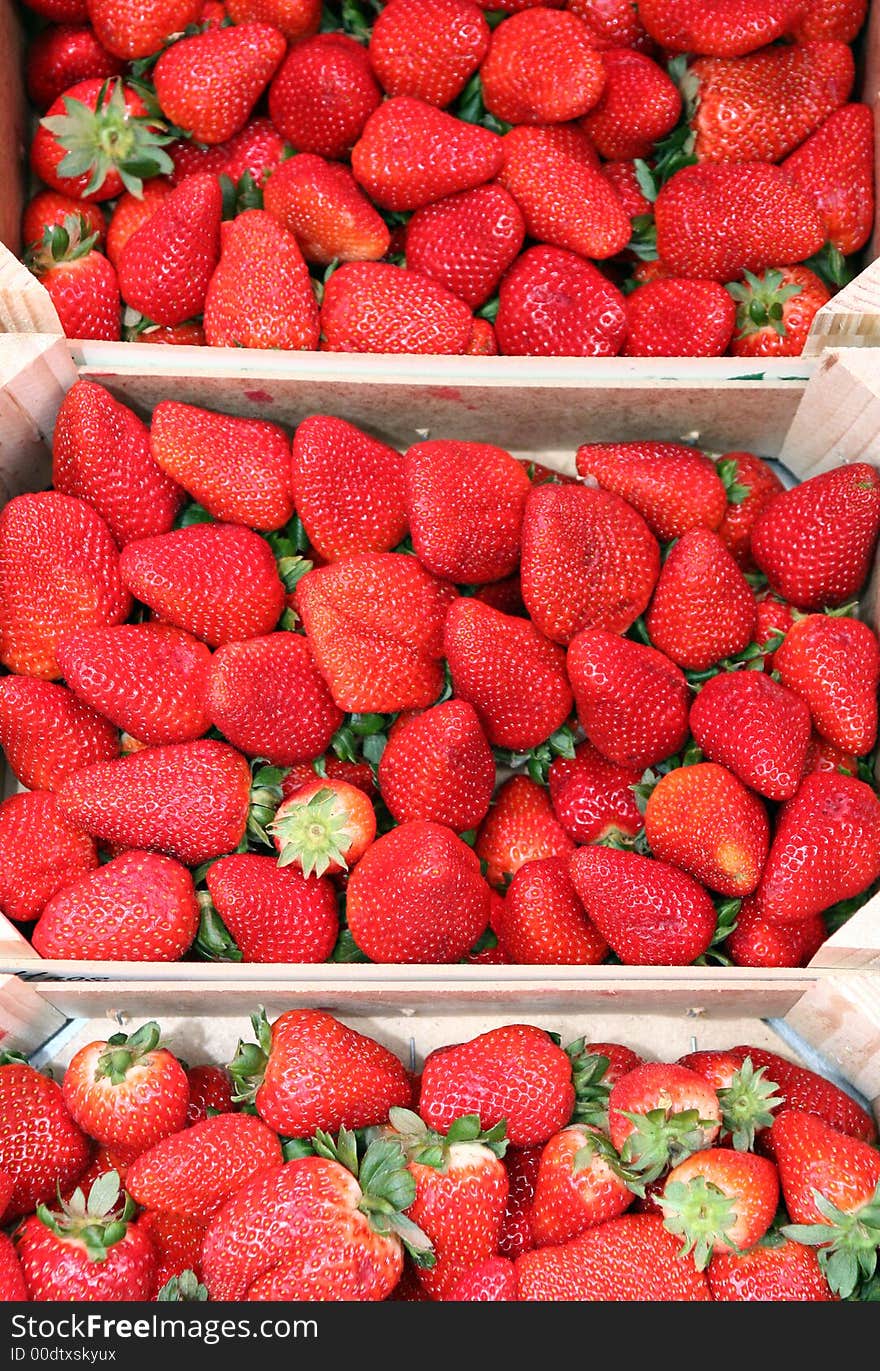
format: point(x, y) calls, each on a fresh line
point(35, 373)
point(25, 304)
point(27, 1018)
point(12, 125)
point(840, 1016)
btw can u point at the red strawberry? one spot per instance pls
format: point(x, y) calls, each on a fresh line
point(321, 204)
point(60, 56)
point(81, 283)
point(629, 1258)
point(541, 68)
point(359, 774)
point(210, 1093)
point(746, 1094)
point(483, 341)
point(428, 48)
point(297, 19)
point(787, 1271)
point(323, 95)
point(834, 168)
point(47, 733)
point(505, 596)
point(824, 19)
point(324, 827)
point(825, 756)
point(438, 766)
point(806, 1090)
point(719, 1199)
point(196, 1171)
point(815, 543)
point(465, 504)
point(623, 177)
point(775, 311)
point(61, 11)
point(49, 208)
point(640, 104)
point(589, 561)
point(131, 29)
point(128, 1092)
point(260, 294)
point(592, 797)
point(493, 1279)
point(516, 1073)
point(703, 820)
point(679, 318)
point(187, 799)
point(273, 915)
point(177, 1240)
point(417, 895)
point(311, 1072)
point(719, 219)
point(379, 307)
point(774, 618)
point(544, 922)
point(674, 488)
point(755, 727)
point(577, 1186)
point(12, 1282)
point(348, 488)
point(59, 570)
point(258, 149)
point(834, 664)
point(522, 1172)
point(755, 484)
point(716, 26)
point(703, 608)
point(554, 304)
point(632, 701)
point(132, 212)
point(612, 23)
point(165, 266)
point(660, 1113)
point(520, 828)
point(41, 852)
point(216, 581)
point(411, 153)
point(101, 454)
point(755, 942)
point(97, 139)
point(209, 84)
point(41, 1147)
point(375, 624)
point(466, 242)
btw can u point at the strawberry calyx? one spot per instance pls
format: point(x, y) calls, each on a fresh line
point(423, 1145)
point(747, 1104)
point(750, 659)
point(538, 760)
point(64, 242)
point(248, 1066)
point(848, 1242)
point(728, 471)
point(265, 797)
point(599, 1145)
point(661, 1139)
point(362, 737)
point(214, 942)
point(761, 302)
point(588, 1072)
point(701, 1214)
point(110, 138)
point(183, 1289)
point(315, 833)
point(98, 1222)
point(125, 1051)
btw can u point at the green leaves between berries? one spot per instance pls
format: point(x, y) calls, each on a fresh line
point(183, 1289)
point(214, 942)
point(748, 1103)
point(660, 1140)
point(538, 761)
point(422, 1144)
point(266, 796)
point(728, 471)
point(98, 1222)
point(248, 1066)
point(847, 1243)
point(109, 138)
point(471, 108)
point(830, 265)
point(589, 1070)
point(750, 659)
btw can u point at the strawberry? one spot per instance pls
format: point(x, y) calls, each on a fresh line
point(379, 307)
point(197, 1170)
point(12, 1282)
point(785, 1270)
point(649, 913)
point(493, 1279)
point(483, 341)
point(775, 311)
point(62, 55)
point(128, 1092)
point(718, 1200)
point(88, 1249)
point(505, 596)
point(544, 922)
point(825, 756)
point(374, 623)
point(428, 49)
point(623, 177)
point(131, 212)
point(522, 1172)
point(177, 1240)
point(166, 264)
point(717, 27)
point(297, 19)
point(41, 1148)
point(209, 84)
point(101, 454)
point(639, 106)
point(41, 852)
point(675, 488)
point(755, 942)
point(834, 664)
point(61, 11)
point(826, 848)
point(774, 618)
point(755, 484)
point(516, 1073)
point(592, 797)
point(260, 294)
point(632, 701)
point(273, 915)
point(47, 733)
point(311, 1072)
point(756, 728)
point(825, 19)
point(97, 140)
point(438, 766)
point(324, 827)
point(520, 828)
point(703, 820)
point(216, 581)
point(831, 1186)
point(815, 543)
point(629, 1258)
point(466, 242)
point(834, 169)
point(679, 318)
point(321, 204)
point(132, 30)
point(541, 68)
point(359, 774)
point(803, 1089)
point(187, 799)
point(465, 505)
point(417, 895)
point(348, 488)
point(49, 208)
point(411, 153)
point(210, 1093)
point(81, 283)
point(612, 23)
point(553, 175)
point(660, 1113)
point(554, 304)
point(719, 219)
point(577, 1187)
point(703, 607)
point(589, 561)
point(323, 95)
point(257, 149)
point(59, 570)
point(746, 1095)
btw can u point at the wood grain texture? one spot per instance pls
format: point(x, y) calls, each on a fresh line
point(13, 125)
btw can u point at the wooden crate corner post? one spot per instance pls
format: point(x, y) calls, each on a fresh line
point(27, 1020)
point(839, 1015)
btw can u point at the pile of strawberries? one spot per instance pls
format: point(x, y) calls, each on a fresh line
point(259, 693)
point(318, 1168)
point(526, 177)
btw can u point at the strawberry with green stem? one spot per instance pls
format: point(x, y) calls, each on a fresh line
point(775, 311)
point(324, 828)
point(659, 1114)
point(99, 139)
point(81, 282)
point(580, 1185)
point(719, 1200)
point(747, 1095)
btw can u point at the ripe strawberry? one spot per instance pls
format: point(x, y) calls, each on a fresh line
point(660, 1113)
point(719, 219)
point(310, 1072)
point(541, 68)
point(41, 1147)
point(629, 1258)
point(674, 488)
point(784, 1271)
point(703, 820)
point(746, 1094)
point(97, 139)
point(428, 48)
point(210, 1093)
point(297, 19)
point(803, 1089)
point(131, 212)
point(466, 242)
point(133, 30)
point(81, 283)
point(679, 318)
point(623, 177)
point(273, 915)
point(379, 307)
point(411, 153)
point(12, 1282)
point(826, 848)
point(755, 483)
point(321, 204)
point(196, 1171)
point(323, 95)
point(775, 311)
point(632, 701)
point(438, 766)
point(61, 11)
point(815, 543)
point(715, 26)
point(493, 1279)
point(589, 561)
point(216, 581)
point(258, 149)
point(209, 84)
point(483, 341)
point(718, 1200)
point(41, 852)
point(46, 732)
point(612, 23)
point(324, 827)
point(348, 488)
point(260, 294)
point(639, 106)
point(577, 1187)
point(755, 942)
point(60, 56)
point(375, 622)
point(49, 208)
point(520, 828)
point(522, 1165)
point(755, 727)
point(834, 664)
point(592, 797)
point(703, 608)
point(834, 169)
point(544, 922)
point(825, 19)
point(166, 264)
point(187, 799)
point(355, 773)
point(127, 1092)
point(774, 618)
point(177, 1240)
point(516, 1073)
point(825, 756)
point(554, 304)
point(553, 175)
point(88, 1249)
